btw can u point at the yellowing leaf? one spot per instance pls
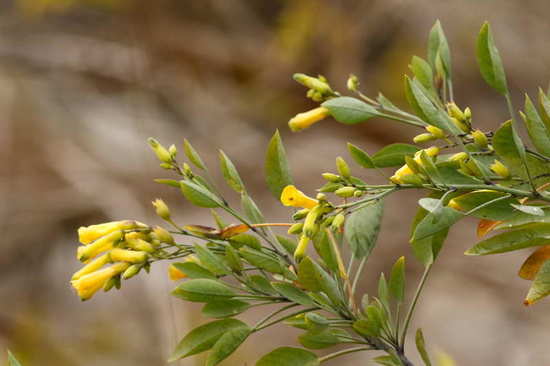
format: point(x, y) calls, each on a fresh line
point(485, 226)
point(233, 230)
point(532, 264)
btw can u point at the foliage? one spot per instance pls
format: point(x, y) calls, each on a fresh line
point(491, 175)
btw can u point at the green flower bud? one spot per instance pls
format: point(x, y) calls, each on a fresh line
point(461, 156)
point(301, 249)
point(345, 192)
point(131, 271)
point(413, 179)
point(331, 177)
point(480, 140)
point(455, 112)
point(166, 166)
point(468, 114)
point(352, 83)
point(296, 229)
point(343, 167)
point(338, 221)
point(321, 197)
point(173, 150)
point(358, 193)
point(500, 169)
point(163, 235)
point(298, 215)
point(436, 131)
point(313, 83)
point(330, 187)
point(424, 137)
point(162, 209)
point(310, 223)
point(162, 154)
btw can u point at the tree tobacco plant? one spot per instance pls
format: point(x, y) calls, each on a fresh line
point(248, 263)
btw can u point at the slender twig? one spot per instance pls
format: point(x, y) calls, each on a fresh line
point(265, 325)
point(343, 352)
point(410, 312)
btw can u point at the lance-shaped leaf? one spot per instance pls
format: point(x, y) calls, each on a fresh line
point(292, 293)
point(251, 210)
point(288, 356)
point(192, 155)
point(544, 105)
point(203, 338)
point(396, 283)
point(350, 110)
point(210, 261)
point(323, 339)
point(423, 72)
point(227, 344)
point(438, 48)
point(230, 174)
point(440, 219)
point(421, 347)
point(360, 156)
point(486, 204)
point(194, 270)
point(203, 290)
point(261, 260)
point(393, 155)
point(276, 166)
point(488, 58)
point(528, 236)
point(362, 227)
point(534, 262)
point(224, 309)
point(541, 285)
point(530, 210)
point(535, 127)
point(198, 195)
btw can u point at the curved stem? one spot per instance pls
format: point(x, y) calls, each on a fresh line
point(343, 352)
point(413, 305)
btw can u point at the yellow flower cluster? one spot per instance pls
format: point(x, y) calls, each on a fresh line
point(126, 244)
point(407, 174)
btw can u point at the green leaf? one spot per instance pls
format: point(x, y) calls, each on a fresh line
point(287, 243)
point(540, 287)
point(360, 156)
point(289, 356)
point(227, 344)
point(251, 210)
point(349, 110)
point(233, 259)
point(12, 361)
point(521, 219)
point(393, 155)
point(245, 239)
point(438, 47)
point(224, 309)
point(276, 166)
point(261, 260)
point(203, 290)
point(168, 182)
point(388, 360)
point(489, 60)
point(530, 210)
point(307, 275)
point(528, 236)
point(423, 72)
point(436, 221)
point(198, 195)
point(194, 270)
point(319, 340)
point(500, 209)
point(192, 155)
point(325, 249)
point(536, 128)
point(230, 174)
point(292, 293)
point(397, 280)
point(262, 284)
point(544, 104)
point(505, 147)
point(210, 261)
point(203, 338)
point(421, 347)
point(362, 227)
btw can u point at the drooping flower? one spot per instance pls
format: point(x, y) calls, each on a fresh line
point(291, 196)
point(87, 234)
point(104, 243)
point(93, 266)
point(87, 285)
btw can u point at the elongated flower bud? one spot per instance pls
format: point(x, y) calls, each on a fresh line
point(338, 221)
point(352, 83)
point(310, 223)
point(163, 235)
point(424, 137)
point(296, 228)
point(345, 192)
point(291, 196)
point(461, 156)
point(139, 245)
point(93, 266)
point(500, 169)
point(455, 112)
point(162, 209)
point(436, 131)
point(162, 154)
point(100, 245)
point(301, 249)
point(87, 234)
point(312, 83)
point(304, 120)
point(130, 256)
point(300, 214)
point(343, 167)
point(480, 139)
point(87, 285)
point(331, 177)
point(131, 271)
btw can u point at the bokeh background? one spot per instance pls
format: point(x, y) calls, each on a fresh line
point(83, 83)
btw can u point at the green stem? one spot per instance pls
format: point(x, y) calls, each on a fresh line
point(343, 352)
point(284, 318)
point(271, 315)
point(410, 312)
point(358, 274)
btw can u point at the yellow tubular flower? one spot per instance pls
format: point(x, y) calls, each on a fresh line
point(87, 285)
point(304, 120)
point(163, 235)
point(100, 245)
point(397, 177)
point(87, 234)
point(291, 196)
point(175, 274)
point(92, 266)
point(300, 251)
point(130, 256)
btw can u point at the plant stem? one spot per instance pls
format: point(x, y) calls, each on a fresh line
point(343, 352)
point(265, 325)
point(271, 315)
point(413, 305)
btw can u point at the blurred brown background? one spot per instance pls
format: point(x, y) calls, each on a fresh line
point(83, 83)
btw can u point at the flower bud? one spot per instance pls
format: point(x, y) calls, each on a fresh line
point(173, 150)
point(461, 156)
point(139, 244)
point(468, 114)
point(291, 196)
point(461, 125)
point(100, 245)
point(313, 83)
point(301, 249)
point(87, 234)
point(298, 215)
point(131, 271)
point(352, 83)
point(345, 192)
point(321, 197)
point(330, 187)
point(413, 164)
point(93, 266)
point(500, 169)
point(455, 112)
point(304, 120)
point(338, 221)
point(163, 235)
point(436, 131)
point(162, 154)
point(87, 285)
point(432, 151)
point(423, 137)
point(331, 177)
point(162, 209)
point(480, 140)
point(310, 223)
point(130, 256)
point(358, 193)
point(296, 229)
point(343, 167)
